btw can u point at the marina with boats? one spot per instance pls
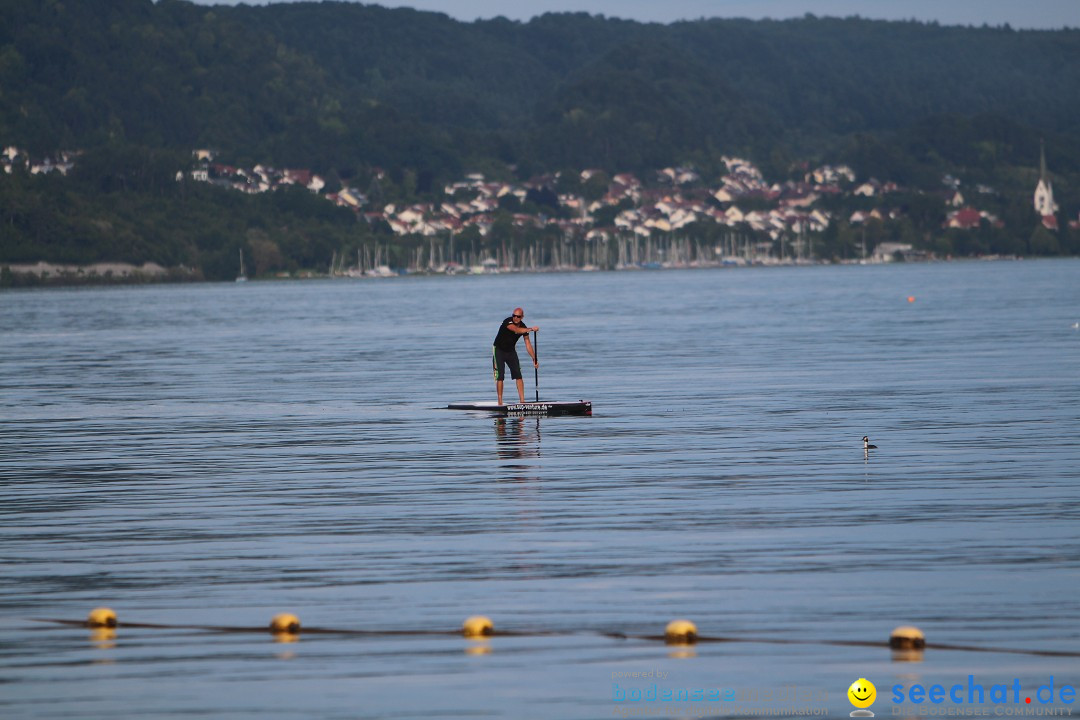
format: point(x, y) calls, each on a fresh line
point(440, 257)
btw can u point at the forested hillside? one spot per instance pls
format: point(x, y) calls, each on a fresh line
point(343, 88)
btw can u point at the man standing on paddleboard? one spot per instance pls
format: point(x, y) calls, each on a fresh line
point(503, 352)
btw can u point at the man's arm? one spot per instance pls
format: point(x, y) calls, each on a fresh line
point(532, 353)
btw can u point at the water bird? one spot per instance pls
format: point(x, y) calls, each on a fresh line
point(866, 444)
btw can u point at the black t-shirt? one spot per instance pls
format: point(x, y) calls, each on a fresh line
point(506, 340)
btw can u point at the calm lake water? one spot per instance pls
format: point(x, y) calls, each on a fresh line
point(216, 454)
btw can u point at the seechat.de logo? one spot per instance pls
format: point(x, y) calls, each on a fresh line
point(975, 693)
point(862, 694)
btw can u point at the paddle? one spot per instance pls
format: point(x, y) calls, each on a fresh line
point(536, 356)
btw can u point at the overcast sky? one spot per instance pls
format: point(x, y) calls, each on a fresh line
point(1042, 14)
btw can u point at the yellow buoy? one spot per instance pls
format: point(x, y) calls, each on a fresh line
point(907, 637)
point(285, 623)
point(101, 617)
point(478, 626)
point(680, 632)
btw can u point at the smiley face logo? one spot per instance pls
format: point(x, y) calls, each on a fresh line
point(862, 693)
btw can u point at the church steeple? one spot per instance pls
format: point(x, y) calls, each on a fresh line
point(1044, 193)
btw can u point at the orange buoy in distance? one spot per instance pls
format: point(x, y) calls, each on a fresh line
point(680, 632)
point(285, 623)
point(478, 626)
point(101, 617)
point(907, 637)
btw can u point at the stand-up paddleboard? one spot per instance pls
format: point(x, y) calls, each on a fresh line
point(577, 407)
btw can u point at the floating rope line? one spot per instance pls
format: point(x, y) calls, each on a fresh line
point(909, 640)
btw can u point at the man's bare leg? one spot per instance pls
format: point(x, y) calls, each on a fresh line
point(499, 389)
point(521, 389)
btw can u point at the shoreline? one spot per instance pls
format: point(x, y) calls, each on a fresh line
point(102, 273)
point(45, 274)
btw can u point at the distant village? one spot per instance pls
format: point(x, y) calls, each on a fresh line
point(676, 200)
point(652, 222)
point(649, 224)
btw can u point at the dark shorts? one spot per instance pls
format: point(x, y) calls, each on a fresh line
point(500, 358)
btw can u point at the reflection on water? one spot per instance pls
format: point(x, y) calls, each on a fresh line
point(517, 440)
point(103, 638)
point(914, 655)
point(478, 647)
